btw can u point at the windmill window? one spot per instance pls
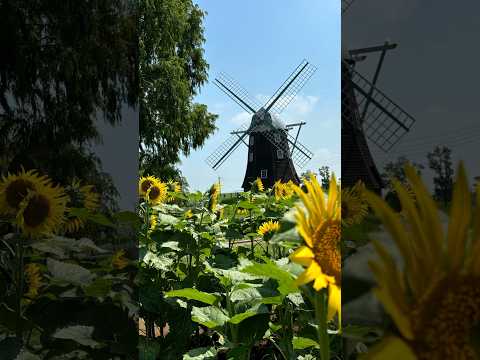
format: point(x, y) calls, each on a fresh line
point(250, 156)
point(279, 154)
point(263, 174)
point(277, 138)
point(251, 140)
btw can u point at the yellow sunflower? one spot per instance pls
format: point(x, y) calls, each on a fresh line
point(42, 210)
point(320, 228)
point(119, 261)
point(353, 205)
point(188, 214)
point(80, 196)
point(14, 188)
point(268, 227)
point(157, 193)
point(173, 187)
point(283, 190)
point(153, 222)
point(33, 278)
point(258, 185)
point(145, 183)
point(213, 195)
point(435, 300)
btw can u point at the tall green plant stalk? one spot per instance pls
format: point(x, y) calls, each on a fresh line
point(321, 309)
point(19, 278)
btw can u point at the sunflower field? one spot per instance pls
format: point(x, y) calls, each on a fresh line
point(63, 295)
point(251, 276)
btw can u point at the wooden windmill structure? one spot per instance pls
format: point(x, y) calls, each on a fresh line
point(367, 113)
point(272, 151)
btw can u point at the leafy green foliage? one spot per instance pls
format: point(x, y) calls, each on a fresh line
point(172, 70)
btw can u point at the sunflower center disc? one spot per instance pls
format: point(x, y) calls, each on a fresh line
point(146, 185)
point(17, 191)
point(325, 248)
point(445, 321)
point(154, 193)
point(36, 211)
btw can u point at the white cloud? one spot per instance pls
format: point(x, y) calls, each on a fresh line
point(325, 157)
point(241, 118)
point(302, 105)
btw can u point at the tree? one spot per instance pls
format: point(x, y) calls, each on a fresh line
point(396, 170)
point(172, 70)
point(63, 64)
point(439, 160)
point(325, 175)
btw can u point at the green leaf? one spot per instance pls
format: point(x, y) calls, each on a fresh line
point(9, 348)
point(245, 294)
point(193, 294)
point(70, 273)
point(246, 205)
point(209, 316)
point(99, 288)
point(300, 343)
point(258, 309)
point(79, 333)
point(100, 219)
point(273, 271)
point(204, 353)
point(165, 219)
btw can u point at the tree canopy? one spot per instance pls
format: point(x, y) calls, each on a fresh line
point(172, 70)
point(63, 65)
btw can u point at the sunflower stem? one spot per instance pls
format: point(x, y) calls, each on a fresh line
point(19, 287)
point(322, 326)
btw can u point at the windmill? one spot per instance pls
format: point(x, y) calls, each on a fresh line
point(272, 150)
point(367, 113)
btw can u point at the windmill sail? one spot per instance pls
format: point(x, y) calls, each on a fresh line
point(290, 88)
point(223, 152)
point(346, 4)
point(237, 93)
point(383, 121)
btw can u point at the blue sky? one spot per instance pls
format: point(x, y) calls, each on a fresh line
point(259, 43)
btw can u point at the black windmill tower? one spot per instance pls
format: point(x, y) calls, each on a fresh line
point(367, 113)
point(272, 151)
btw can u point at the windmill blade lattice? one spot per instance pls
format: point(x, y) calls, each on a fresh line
point(346, 4)
point(290, 88)
point(384, 122)
point(300, 155)
point(223, 152)
point(238, 93)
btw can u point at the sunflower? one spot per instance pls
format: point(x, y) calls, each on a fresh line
point(145, 183)
point(320, 228)
point(257, 185)
point(283, 190)
point(33, 278)
point(173, 187)
point(188, 214)
point(268, 228)
point(119, 261)
point(435, 300)
point(42, 210)
point(353, 205)
point(213, 195)
point(157, 193)
point(80, 196)
point(14, 188)
point(153, 222)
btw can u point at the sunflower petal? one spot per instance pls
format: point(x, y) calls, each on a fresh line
point(334, 303)
point(460, 220)
point(303, 256)
point(393, 225)
point(391, 348)
point(311, 273)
